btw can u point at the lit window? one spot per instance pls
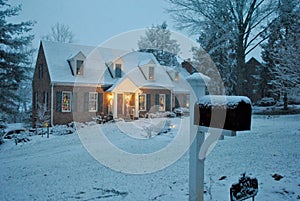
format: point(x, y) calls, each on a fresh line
point(176, 76)
point(186, 101)
point(151, 73)
point(118, 72)
point(66, 101)
point(162, 102)
point(142, 102)
point(93, 97)
point(79, 67)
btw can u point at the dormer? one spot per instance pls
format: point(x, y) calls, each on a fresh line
point(117, 67)
point(148, 69)
point(76, 64)
point(173, 74)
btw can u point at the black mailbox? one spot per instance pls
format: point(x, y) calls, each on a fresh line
point(224, 112)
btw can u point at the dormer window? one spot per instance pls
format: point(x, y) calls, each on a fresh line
point(118, 71)
point(79, 67)
point(176, 76)
point(151, 73)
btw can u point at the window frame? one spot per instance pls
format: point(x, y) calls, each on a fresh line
point(79, 68)
point(176, 76)
point(118, 73)
point(151, 75)
point(70, 101)
point(144, 104)
point(164, 102)
point(93, 102)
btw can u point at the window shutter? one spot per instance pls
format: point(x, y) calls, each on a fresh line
point(100, 102)
point(148, 103)
point(168, 102)
point(86, 102)
point(177, 105)
point(74, 102)
point(156, 99)
point(58, 101)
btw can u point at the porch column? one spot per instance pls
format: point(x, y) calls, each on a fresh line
point(115, 105)
point(136, 105)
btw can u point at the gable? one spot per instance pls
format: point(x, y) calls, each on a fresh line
point(125, 85)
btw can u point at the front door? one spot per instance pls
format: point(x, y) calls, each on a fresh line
point(120, 104)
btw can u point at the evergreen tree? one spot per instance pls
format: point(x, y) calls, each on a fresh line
point(159, 37)
point(14, 57)
point(282, 50)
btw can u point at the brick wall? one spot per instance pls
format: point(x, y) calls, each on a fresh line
point(40, 85)
point(78, 112)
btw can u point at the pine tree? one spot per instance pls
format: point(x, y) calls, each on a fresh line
point(14, 56)
point(282, 50)
point(159, 37)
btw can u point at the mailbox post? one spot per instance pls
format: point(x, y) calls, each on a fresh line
point(220, 112)
point(196, 166)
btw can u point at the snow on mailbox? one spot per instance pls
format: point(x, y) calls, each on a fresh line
point(224, 112)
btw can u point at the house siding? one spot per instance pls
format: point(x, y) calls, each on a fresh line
point(154, 94)
point(78, 112)
point(40, 86)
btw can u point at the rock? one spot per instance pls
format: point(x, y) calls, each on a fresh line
point(277, 177)
point(222, 178)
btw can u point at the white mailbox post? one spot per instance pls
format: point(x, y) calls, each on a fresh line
point(196, 166)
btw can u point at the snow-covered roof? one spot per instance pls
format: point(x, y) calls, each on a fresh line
point(98, 67)
point(95, 70)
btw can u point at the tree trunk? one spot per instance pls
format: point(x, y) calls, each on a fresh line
point(240, 71)
point(285, 103)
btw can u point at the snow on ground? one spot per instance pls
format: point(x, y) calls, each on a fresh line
point(60, 168)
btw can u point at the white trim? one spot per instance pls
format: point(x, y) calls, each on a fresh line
point(145, 101)
point(164, 98)
point(52, 105)
point(96, 102)
point(62, 99)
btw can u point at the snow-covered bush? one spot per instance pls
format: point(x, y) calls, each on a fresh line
point(181, 111)
point(160, 115)
point(63, 129)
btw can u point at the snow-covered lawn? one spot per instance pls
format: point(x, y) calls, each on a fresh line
point(60, 168)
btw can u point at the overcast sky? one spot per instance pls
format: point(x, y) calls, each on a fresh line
point(95, 21)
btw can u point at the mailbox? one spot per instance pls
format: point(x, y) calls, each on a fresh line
point(224, 112)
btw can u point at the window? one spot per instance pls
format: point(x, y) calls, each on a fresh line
point(176, 76)
point(142, 102)
point(41, 73)
point(79, 67)
point(186, 101)
point(93, 98)
point(162, 102)
point(151, 73)
point(66, 101)
point(118, 71)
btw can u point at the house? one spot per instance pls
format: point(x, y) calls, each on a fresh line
point(253, 88)
point(76, 83)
